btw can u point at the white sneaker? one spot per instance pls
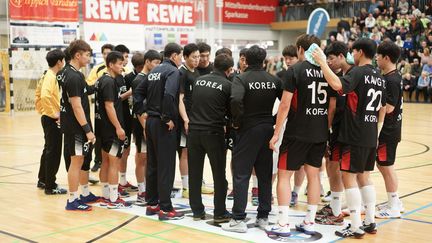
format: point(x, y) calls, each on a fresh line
point(387, 213)
point(278, 230)
point(307, 228)
point(401, 207)
point(262, 223)
point(238, 226)
point(327, 197)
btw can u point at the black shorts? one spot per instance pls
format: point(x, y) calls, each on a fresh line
point(294, 154)
point(77, 145)
point(140, 142)
point(386, 153)
point(128, 128)
point(114, 146)
point(230, 138)
point(356, 159)
point(335, 153)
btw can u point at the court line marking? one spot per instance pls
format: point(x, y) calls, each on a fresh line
point(142, 235)
point(16, 236)
point(411, 155)
point(114, 229)
point(418, 221)
point(11, 168)
point(409, 194)
point(391, 220)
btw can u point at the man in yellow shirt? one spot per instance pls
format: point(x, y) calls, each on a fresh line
point(48, 105)
point(93, 76)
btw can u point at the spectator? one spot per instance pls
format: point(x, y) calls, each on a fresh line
point(2, 90)
point(370, 22)
point(409, 85)
point(342, 36)
point(392, 15)
point(403, 6)
point(416, 68)
point(376, 13)
point(404, 67)
point(425, 56)
point(424, 20)
point(409, 46)
point(423, 84)
point(399, 41)
point(429, 41)
point(373, 5)
point(382, 8)
point(428, 67)
point(363, 15)
point(415, 11)
point(428, 9)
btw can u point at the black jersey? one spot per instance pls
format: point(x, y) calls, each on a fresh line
point(73, 84)
point(206, 70)
point(391, 131)
point(340, 107)
point(308, 118)
point(210, 102)
point(107, 90)
point(365, 90)
point(187, 80)
point(134, 84)
point(253, 94)
point(127, 115)
point(128, 78)
point(160, 89)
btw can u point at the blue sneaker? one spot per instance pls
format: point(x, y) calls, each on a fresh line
point(294, 199)
point(77, 205)
point(91, 198)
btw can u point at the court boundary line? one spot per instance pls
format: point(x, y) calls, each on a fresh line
point(418, 221)
point(17, 236)
point(113, 230)
point(412, 155)
point(408, 195)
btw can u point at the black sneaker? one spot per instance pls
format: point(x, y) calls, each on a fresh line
point(199, 216)
point(96, 166)
point(224, 218)
point(348, 233)
point(40, 185)
point(55, 191)
point(93, 180)
point(370, 228)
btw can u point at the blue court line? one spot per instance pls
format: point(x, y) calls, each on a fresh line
point(405, 214)
point(418, 221)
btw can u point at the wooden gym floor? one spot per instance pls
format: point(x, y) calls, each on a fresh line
point(28, 215)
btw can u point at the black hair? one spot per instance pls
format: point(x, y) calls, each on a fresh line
point(189, 49)
point(255, 55)
point(336, 48)
point(366, 45)
point(243, 52)
point(390, 49)
point(223, 62)
point(171, 48)
point(121, 48)
point(224, 50)
point(203, 47)
point(137, 59)
point(67, 55)
point(54, 56)
point(152, 55)
point(107, 46)
point(78, 46)
point(113, 57)
point(305, 41)
point(289, 51)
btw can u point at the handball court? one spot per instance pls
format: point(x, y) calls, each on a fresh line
point(28, 215)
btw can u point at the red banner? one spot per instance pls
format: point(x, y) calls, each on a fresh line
point(44, 10)
point(247, 11)
point(139, 12)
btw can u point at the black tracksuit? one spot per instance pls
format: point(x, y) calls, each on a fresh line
point(253, 95)
point(160, 91)
point(210, 103)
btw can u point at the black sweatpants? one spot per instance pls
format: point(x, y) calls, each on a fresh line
point(252, 151)
point(199, 144)
point(50, 159)
point(161, 159)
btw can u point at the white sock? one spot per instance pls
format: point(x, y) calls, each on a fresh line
point(393, 200)
point(113, 192)
point(141, 187)
point(369, 201)
point(336, 203)
point(321, 175)
point(353, 199)
point(254, 181)
point(185, 181)
point(85, 190)
point(123, 180)
point(73, 196)
point(283, 215)
point(296, 189)
point(105, 190)
point(311, 213)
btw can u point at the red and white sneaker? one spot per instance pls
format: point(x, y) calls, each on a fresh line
point(141, 201)
point(119, 204)
point(128, 187)
point(123, 193)
point(152, 210)
point(171, 215)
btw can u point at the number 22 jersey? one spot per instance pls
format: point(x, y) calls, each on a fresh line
point(365, 91)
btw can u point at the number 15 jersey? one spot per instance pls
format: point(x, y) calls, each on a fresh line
point(308, 116)
point(365, 90)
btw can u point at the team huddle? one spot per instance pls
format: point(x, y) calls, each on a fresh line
point(334, 106)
